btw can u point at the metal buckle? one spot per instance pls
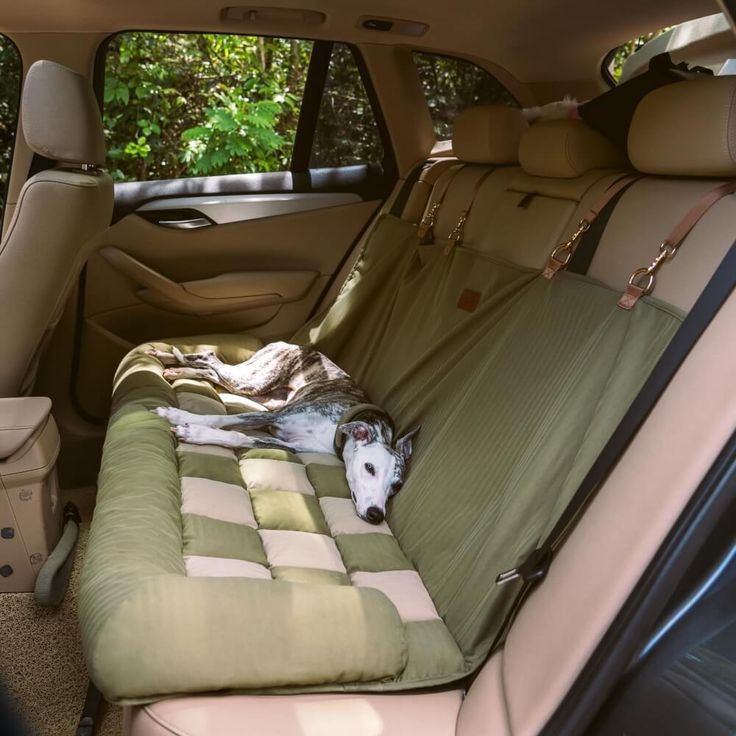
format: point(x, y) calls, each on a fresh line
point(428, 222)
point(555, 263)
point(456, 236)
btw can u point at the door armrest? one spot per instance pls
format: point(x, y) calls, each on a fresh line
point(20, 419)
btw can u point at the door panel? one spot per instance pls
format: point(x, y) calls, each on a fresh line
point(263, 275)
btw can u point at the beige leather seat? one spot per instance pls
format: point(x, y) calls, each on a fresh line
point(58, 212)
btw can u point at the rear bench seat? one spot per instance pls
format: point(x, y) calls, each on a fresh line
point(515, 397)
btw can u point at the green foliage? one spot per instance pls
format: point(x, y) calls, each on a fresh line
point(181, 104)
point(451, 85)
point(10, 73)
point(629, 48)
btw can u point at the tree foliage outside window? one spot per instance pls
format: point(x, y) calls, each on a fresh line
point(10, 75)
point(346, 132)
point(616, 66)
point(179, 105)
point(451, 85)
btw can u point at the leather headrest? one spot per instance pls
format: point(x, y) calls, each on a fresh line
point(489, 134)
point(565, 149)
point(686, 129)
point(61, 118)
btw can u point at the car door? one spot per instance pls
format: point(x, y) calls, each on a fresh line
point(246, 168)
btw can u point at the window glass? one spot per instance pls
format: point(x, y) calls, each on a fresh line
point(346, 131)
point(200, 104)
point(622, 53)
point(10, 78)
point(451, 85)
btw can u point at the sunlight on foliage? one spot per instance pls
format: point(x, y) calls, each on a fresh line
point(182, 104)
point(10, 71)
point(623, 52)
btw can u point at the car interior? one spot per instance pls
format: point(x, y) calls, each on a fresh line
point(512, 225)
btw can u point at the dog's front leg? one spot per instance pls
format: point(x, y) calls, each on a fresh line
point(181, 417)
point(199, 435)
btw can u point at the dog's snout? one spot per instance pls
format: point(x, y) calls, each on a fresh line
point(374, 515)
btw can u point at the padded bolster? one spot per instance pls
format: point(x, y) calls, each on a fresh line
point(686, 129)
point(20, 419)
point(175, 634)
point(489, 134)
point(61, 118)
point(566, 149)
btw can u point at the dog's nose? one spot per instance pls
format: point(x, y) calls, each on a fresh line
point(374, 515)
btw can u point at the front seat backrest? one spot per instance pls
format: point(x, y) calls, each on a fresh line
point(59, 211)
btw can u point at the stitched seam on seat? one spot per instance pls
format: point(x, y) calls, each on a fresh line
point(161, 722)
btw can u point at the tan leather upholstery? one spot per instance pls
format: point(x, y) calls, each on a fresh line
point(489, 134)
point(61, 118)
point(432, 714)
point(686, 129)
point(565, 149)
point(20, 419)
point(58, 212)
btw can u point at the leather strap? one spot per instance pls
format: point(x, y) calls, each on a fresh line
point(562, 254)
point(456, 236)
point(425, 230)
point(643, 280)
point(351, 415)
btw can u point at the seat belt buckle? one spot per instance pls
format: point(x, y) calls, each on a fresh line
point(534, 568)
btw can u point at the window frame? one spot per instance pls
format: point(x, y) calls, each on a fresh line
point(11, 158)
point(314, 88)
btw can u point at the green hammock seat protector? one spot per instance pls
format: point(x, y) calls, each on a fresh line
point(209, 570)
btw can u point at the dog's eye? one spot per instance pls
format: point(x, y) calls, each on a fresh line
point(369, 467)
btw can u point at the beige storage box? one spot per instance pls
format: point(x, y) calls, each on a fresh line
point(30, 507)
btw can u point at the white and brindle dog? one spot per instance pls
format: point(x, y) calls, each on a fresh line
point(312, 405)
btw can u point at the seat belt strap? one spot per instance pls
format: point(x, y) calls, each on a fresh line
point(535, 566)
point(642, 281)
point(458, 232)
point(425, 230)
point(561, 255)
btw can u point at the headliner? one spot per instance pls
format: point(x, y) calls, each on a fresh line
point(535, 40)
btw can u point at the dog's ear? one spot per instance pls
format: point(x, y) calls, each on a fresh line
point(405, 445)
point(359, 431)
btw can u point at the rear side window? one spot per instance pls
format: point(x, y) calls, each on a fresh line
point(202, 104)
point(346, 132)
point(451, 85)
point(10, 80)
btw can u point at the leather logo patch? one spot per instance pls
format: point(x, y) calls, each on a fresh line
point(469, 300)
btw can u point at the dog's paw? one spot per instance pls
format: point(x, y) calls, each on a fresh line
point(172, 415)
point(193, 434)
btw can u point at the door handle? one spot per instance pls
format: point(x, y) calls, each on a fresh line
point(192, 224)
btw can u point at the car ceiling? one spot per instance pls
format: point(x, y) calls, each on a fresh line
point(534, 40)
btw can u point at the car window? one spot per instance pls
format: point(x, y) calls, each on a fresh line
point(346, 132)
point(10, 80)
point(451, 85)
point(201, 104)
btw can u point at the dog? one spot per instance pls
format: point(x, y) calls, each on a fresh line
point(312, 405)
point(564, 109)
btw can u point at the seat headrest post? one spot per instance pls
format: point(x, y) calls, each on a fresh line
point(489, 134)
point(60, 116)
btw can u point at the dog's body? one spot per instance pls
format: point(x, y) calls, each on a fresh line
point(311, 405)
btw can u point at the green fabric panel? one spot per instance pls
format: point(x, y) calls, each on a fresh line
point(201, 388)
point(241, 633)
point(199, 404)
point(509, 427)
point(216, 538)
point(309, 575)
point(139, 380)
point(371, 553)
point(287, 510)
point(202, 465)
point(264, 454)
point(432, 652)
point(328, 480)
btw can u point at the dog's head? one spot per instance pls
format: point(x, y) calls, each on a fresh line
point(374, 467)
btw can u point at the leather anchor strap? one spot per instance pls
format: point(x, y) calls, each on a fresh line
point(456, 236)
point(425, 229)
point(561, 255)
point(642, 281)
